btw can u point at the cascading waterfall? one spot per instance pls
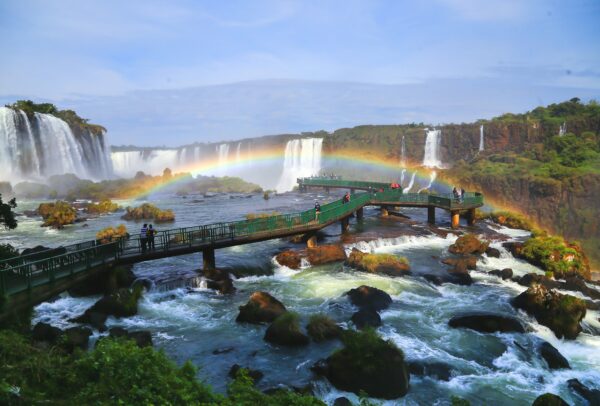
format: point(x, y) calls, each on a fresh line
point(238, 152)
point(432, 149)
point(562, 130)
point(302, 158)
point(151, 162)
point(222, 156)
point(403, 154)
point(410, 184)
point(44, 145)
point(402, 176)
point(481, 138)
point(431, 179)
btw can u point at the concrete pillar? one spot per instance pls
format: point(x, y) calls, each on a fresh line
point(384, 211)
point(431, 214)
point(360, 214)
point(311, 241)
point(345, 223)
point(471, 217)
point(455, 214)
point(208, 258)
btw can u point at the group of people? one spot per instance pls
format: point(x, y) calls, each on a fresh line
point(459, 194)
point(147, 234)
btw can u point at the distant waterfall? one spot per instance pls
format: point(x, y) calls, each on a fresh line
point(432, 149)
point(403, 154)
point(238, 152)
point(34, 148)
point(481, 138)
point(402, 176)
point(410, 184)
point(151, 162)
point(562, 130)
point(302, 158)
point(431, 179)
point(222, 156)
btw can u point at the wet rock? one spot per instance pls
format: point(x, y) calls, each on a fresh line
point(514, 248)
point(553, 357)
point(487, 323)
point(342, 401)
point(122, 303)
point(223, 350)
point(577, 284)
point(591, 395)
point(492, 252)
point(255, 374)
point(549, 399)
point(261, 308)
point(291, 259)
point(285, 330)
point(219, 280)
point(104, 282)
point(435, 279)
point(459, 277)
point(385, 264)
point(45, 332)
point(324, 254)
point(77, 337)
point(531, 279)
point(468, 244)
point(366, 318)
point(505, 273)
point(560, 313)
point(367, 297)
point(142, 338)
point(437, 370)
point(94, 319)
point(322, 328)
point(142, 283)
point(461, 264)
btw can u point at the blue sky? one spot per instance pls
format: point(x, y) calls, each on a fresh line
point(181, 71)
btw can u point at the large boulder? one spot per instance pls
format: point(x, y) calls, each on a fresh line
point(386, 264)
point(77, 337)
point(122, 303)
point(324, 254)
point(261, 308)
point(322, 328)
point(505, 273)
point(219, 280)
point(290, 258)
point(553, 357)
point(492, 252)
point(461, 264)
point(285, 330)
point(367, 297)
point(549, 399)
point(468, 244)
point(437, 370)
point(459, 276)
point(487, 323)
point(45, 332)
point(366, 318)
point(560, 313)
point(591, 395)
point(367, 364)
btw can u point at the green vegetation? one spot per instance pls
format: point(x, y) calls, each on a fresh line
point(554, 254)
point(57, 215)
point(110, 234)
point(508, 219)
point(103, 207)
point(370, 262)
point(30, 108)
point(458, 401)
point(321, 327)
point(7, 216)
point(225, 184)
point(148, 211)
point(255, 216)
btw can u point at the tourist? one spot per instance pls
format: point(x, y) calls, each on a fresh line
point(317, 210)
point(150, 233)
point(455, 193)
point(144, 237)
point(346, 198)
point(462, 195)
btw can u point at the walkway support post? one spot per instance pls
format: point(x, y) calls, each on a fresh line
point(359, 214)
point(455, 215)
point(345, 223)
point(311, 241)
point(208, 259)
point(327, 190)
point(471, 217)
point(431, 214)
point(384, 211)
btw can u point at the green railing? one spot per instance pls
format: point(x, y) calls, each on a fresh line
point(22, 273)
point(340, 183)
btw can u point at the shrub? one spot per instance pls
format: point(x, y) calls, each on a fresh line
point(110, 234)
point(105, 206)
point(148, 211)
point(321, 327)
point(58, 214)
point(554, 254)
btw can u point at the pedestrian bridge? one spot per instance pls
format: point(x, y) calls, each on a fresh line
point(38, 276)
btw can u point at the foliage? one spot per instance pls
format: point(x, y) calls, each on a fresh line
point(58, 214)
point(363, 350)
point(7, 216)
point(148, 211)
point(458, 401)
point(321, 327)
point(371, 261)
point(225, 184)
point(255, 216)
point(509, 219)
point(554, 254)
point(110, 234)
point(104, 206)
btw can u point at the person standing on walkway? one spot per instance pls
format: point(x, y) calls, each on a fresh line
point(150, 233)
point(317, 210)
point(144, 237)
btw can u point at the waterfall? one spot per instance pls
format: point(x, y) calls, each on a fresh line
point(431, 179)
point(238, 152)
point(402, 176)
point(563, 129)
point(403, 154)
point(481, 138)
point(432, 149)
point(410, 184)
point(302, 158)
point(37, 147)
point(152, 162)
point(222, 155)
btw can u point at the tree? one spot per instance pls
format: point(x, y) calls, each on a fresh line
point(7, 216)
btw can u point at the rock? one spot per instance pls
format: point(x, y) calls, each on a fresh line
point(285, 330)
point(366, 318)
point(45, 332)
point(77, 337)
point(487, 323)
point(367, 297)
point(223, 350)
point(461, 264)
point(549, 399)
point(255, 374)
point(531, 279)
point(459, 276)
point(291, 259)
point(342, 401)
point(577, 284)
point(104, 282)
point(591, 395)
point(322, 328)
point(505, 273)
point(324, 254)
point(574, 283)
point(514, 248)
point(492, 252)
point(468, 244)
point(553, 357)
point(142, 338)
point(560, 313)
point(437, 370)
point(117, 332)
point(261, 308)
point(435, 279)
point(122, 303)
point(95, 319)
point(386, 264)
point(368, 363)
point(219, 280)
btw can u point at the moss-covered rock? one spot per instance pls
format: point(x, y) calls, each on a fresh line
point(121, 303)
point(468, 244)
point(289, 258)
point(505, 273)
point(487, 323)
point(561, 313)
point(285, 330)
point(556, 255)
point(321, 328)
point(387, 264)
point(367, 297)
point(112, 234)
point(58, 214)
point(549, 399)
point(103, 207)
point(148, 211)
point(261, 308)
point(105, 282)
point(553, 357)
point(325, 254)
point(366, 318)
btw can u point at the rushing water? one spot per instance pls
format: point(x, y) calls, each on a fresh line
point(302, 158)
point(481, 146)
point(431, 157)
point(190, 322)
